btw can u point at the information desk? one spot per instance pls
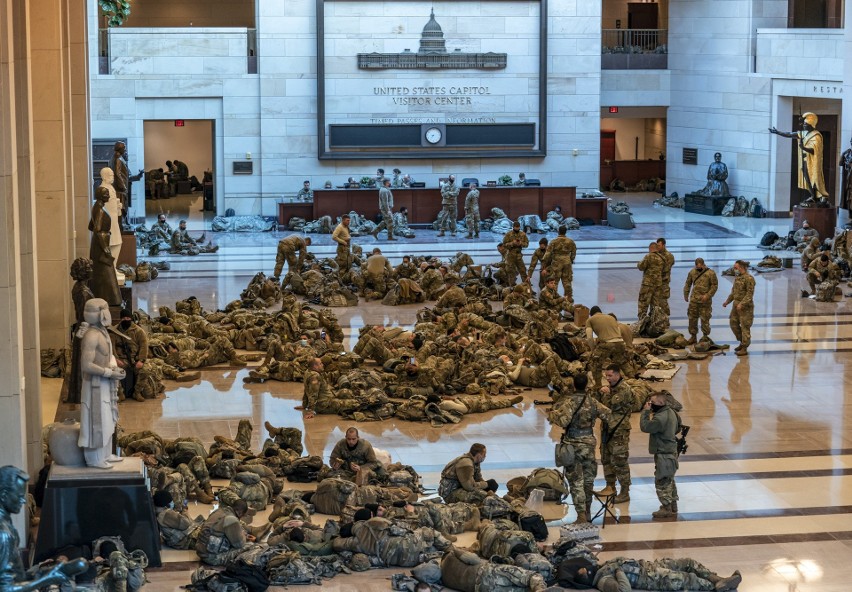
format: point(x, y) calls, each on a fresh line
point(425, 204)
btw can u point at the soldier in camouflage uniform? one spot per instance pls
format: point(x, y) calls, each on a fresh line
point(318, 396)
point(652, 278)
point(471, 211)
point(538, 256)
point(823, 269)
point(461, 479)
point(352, 455)
point(701, 284)
point(386, 208)
point(449, 217)
point(515, 241)
point(662, 424)
point(615, 433)
point(550, 298)
point(666, 286)
point(622, 574)
point(576, 413)
point(149, 383)
point(742, 312)
point(343, 239)
point(287, 248)
point(558, 262)
point(603, 334)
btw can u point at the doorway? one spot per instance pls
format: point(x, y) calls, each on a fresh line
point(644, 17)
point(191, 142)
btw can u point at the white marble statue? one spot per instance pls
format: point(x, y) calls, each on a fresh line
point(113, 208)
point(99, 391)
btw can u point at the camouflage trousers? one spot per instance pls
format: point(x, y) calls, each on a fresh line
point(602, 356)
point(648, 298)
point(663, 574)
point(696, 311)
point(452, 492)
point(374, 349)
point(663, 298)
point(448, 218)
point(515, 266)
point(740, 321)
point(288, 253)
point(343, 258)
point(386, 223)
point(665, 466)
point(615, 455)
point(581, 477)
point(563, 271)
point(471, 218)
point(378, 281)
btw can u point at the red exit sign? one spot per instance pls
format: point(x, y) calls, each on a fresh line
point(181, 122)
point(611, 110)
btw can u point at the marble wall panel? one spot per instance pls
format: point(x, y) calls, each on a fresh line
point(224, 65)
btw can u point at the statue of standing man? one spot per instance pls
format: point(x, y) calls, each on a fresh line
point(99, 391)
point(810, 158)
point(121, 181)
point(104, 281)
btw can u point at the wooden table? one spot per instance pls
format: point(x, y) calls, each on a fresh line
point(425, 204)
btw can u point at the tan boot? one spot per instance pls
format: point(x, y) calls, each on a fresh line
point(691, 340)
point(623, 495)
point(729, 583)
point(582, 517)
point(608, 490)
point(663, 513)
point(202, 497)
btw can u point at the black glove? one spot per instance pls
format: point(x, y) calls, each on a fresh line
point(492, 485)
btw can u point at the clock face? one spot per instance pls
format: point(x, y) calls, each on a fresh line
point(433, 135)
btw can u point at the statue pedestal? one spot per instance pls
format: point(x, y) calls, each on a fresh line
point(823, 220)
point(703, 204)
point(82, 504)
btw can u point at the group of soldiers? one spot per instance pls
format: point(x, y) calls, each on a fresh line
point(176, 241)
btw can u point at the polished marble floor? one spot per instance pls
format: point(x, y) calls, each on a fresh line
point(766, 486)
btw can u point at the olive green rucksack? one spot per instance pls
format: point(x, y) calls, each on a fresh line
point(550, 481)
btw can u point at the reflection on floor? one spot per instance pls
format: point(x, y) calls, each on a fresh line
point(766, 486)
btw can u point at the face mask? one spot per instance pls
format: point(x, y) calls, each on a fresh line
point(737, 272)
point(303, 342)
point(171, 505)
point(656, 407)
point(125, 324)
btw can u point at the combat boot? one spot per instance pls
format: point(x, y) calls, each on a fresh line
point(202, 497)
point(673, 507)
point(390, 238)
point(729, 583)
point(138, 397)
point(623, 495)
point(582, 517)
point(442, 233)
point(691, 340)
point(273, 431)
point(375, 234)
point(237, 361)
point(188, 376)
point(663, 512)
point(469, 236)
point(608, 490)
point(742, 352)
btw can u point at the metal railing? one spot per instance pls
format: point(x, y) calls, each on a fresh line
point(634, 40)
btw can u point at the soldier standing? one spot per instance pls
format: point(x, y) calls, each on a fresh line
point(615, 433)
point(342, 237)
point(701, 284)
point(287, 248)
point(668, 263)
point(515, 241)
point(652, 276)
point(662, 423)
point(386, 208)
point(558, 262)
point(538, 255)
point(576, 414)
point(608, 348)
point(742, 312)
point(131, 352)
point(471, 211)
point(448, 218)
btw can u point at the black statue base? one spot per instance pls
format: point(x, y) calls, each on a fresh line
point(82, 504)
point(697, 203)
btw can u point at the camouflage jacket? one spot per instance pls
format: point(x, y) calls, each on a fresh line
point(621, 401)
point(515, 241)
point(560, 248)
point(701, 283)
point(742, 291)
point(652, 269)
point(578, 426)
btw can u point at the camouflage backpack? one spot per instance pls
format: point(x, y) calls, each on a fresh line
point(551, 481)
point(500, 537)
point(331, 495)
point(495, 507)
point(400, 475)
point(825, 291)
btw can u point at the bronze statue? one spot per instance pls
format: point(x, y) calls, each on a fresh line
point(717, 173)
point(99, 392)
point(81, 272)
point(104, 282)
point(13, 490)
point(118, 164)
point(810, 159)
point(846, 185)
